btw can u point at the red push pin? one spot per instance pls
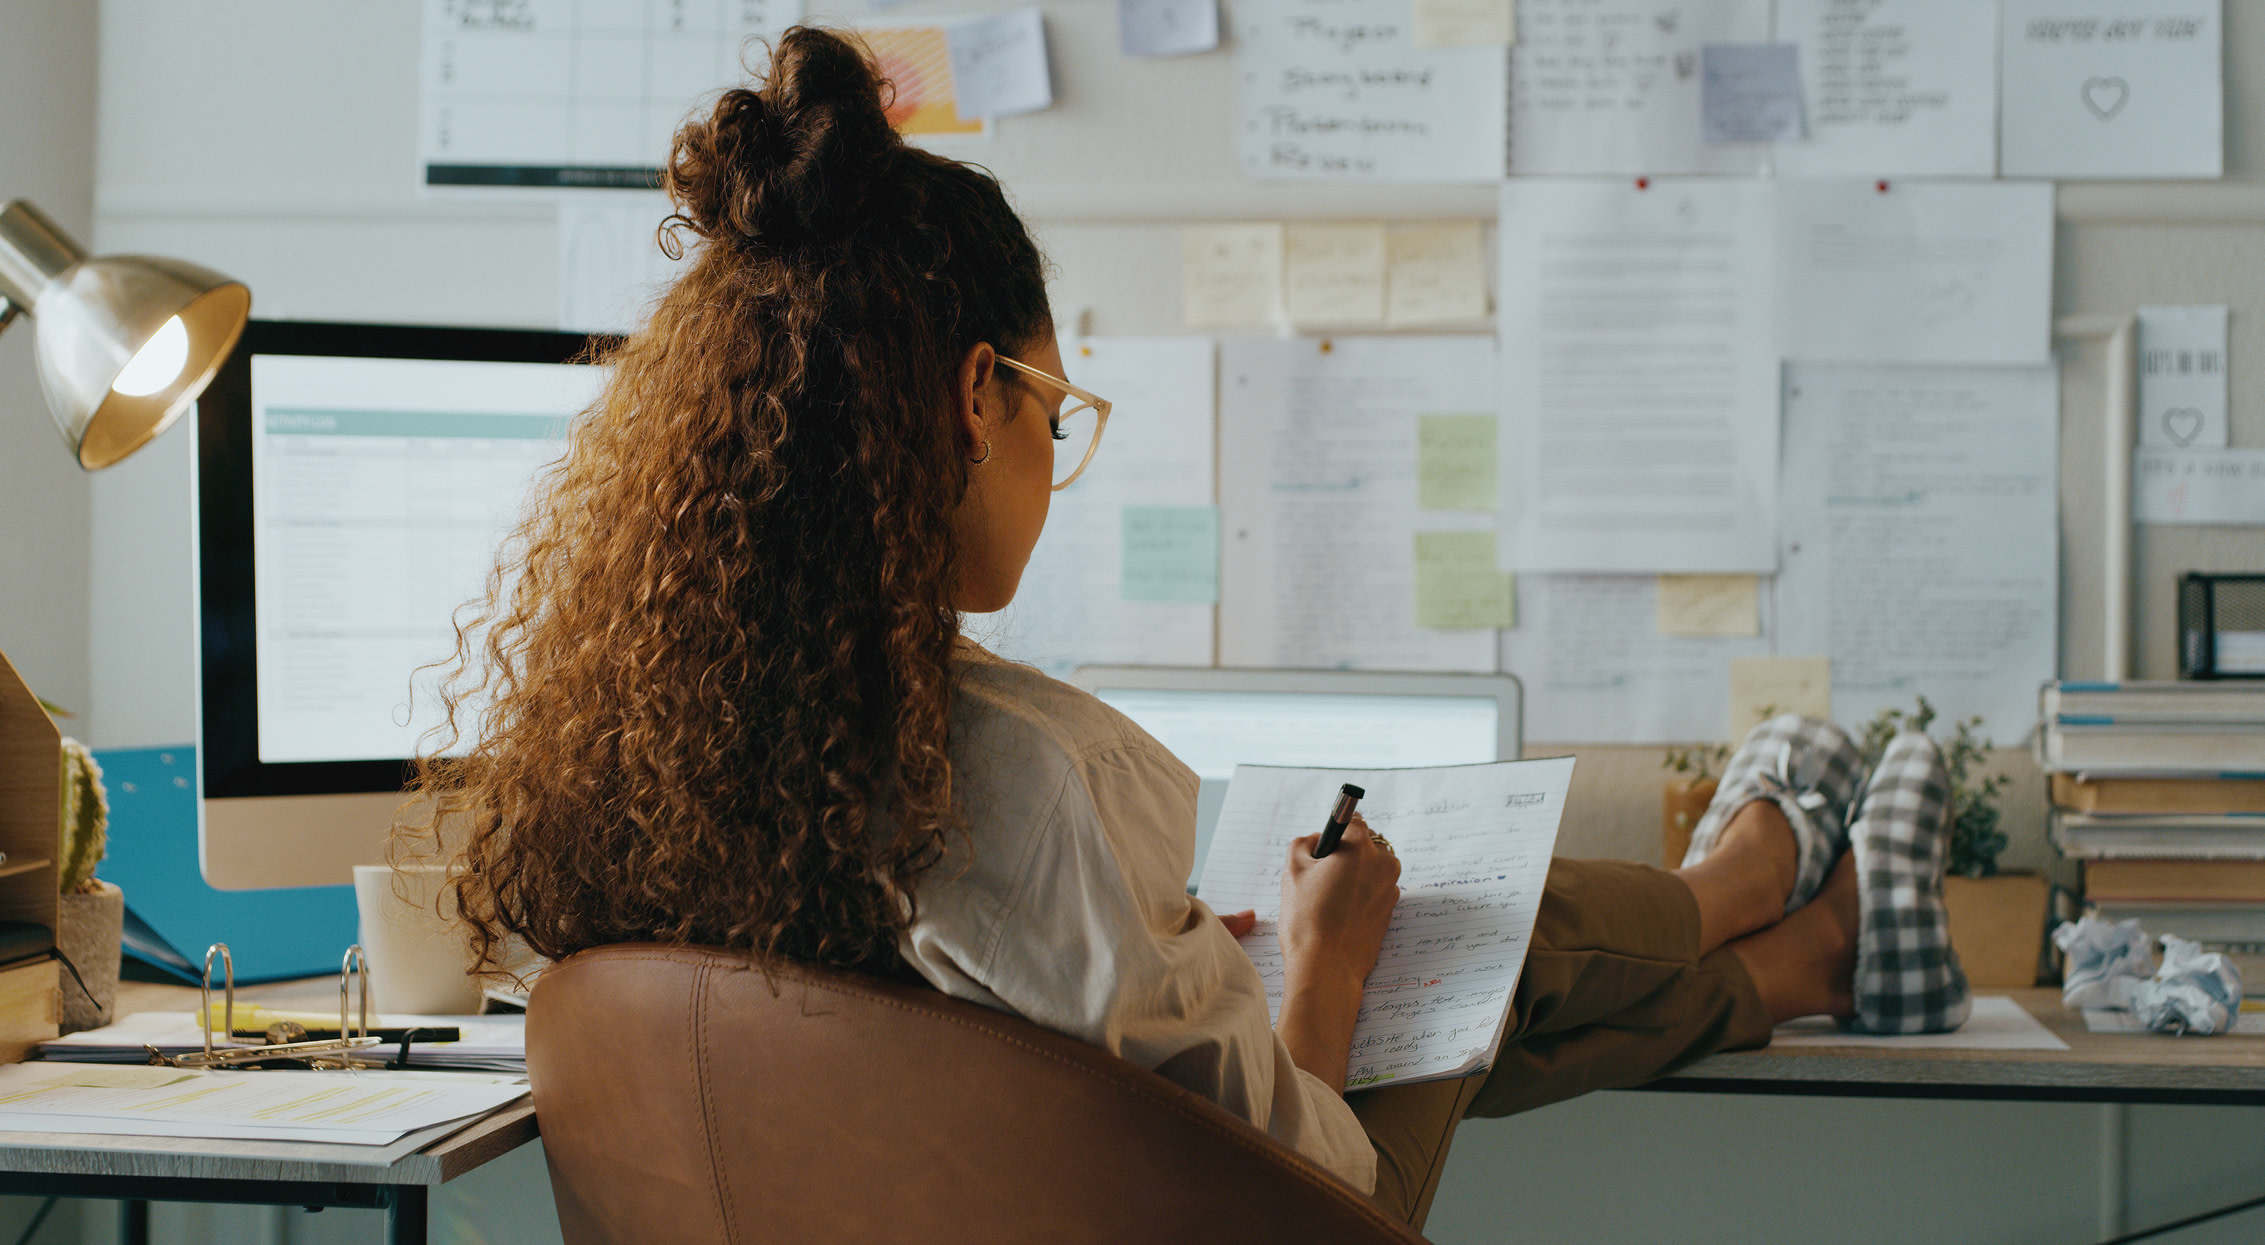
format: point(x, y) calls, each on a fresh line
point(1643, 183)
point(1881, 186)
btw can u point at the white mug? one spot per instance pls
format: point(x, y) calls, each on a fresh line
point(417, 959)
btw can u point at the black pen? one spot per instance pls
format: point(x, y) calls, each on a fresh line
point(1339, 817)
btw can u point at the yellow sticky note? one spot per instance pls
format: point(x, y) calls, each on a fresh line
point(1455, 462)
point(1334, 274)
point(1464, 23)
point(1710, 605)
point(1230, 275)
point(1457, 583)
point(1763, 687)
point(1435, 273)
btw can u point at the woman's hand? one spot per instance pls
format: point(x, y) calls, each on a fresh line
point(1334, 914)
point(1335, 910)
point(1239, 924)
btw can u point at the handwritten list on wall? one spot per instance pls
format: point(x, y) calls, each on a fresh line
point(1337, 90)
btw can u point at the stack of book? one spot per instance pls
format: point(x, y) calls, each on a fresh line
point(2159, 789)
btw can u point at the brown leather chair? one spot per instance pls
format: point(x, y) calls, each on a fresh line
point(680, 1100)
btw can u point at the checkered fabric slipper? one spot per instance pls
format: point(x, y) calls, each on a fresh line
point(1907, 977)
point(1811, 769)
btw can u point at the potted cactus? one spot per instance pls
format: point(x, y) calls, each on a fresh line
point(92, 912)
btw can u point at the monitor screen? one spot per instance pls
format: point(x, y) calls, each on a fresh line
point(355, 483)
point(1214, 731)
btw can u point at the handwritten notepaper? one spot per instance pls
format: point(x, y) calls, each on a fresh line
point(1763, 687)
point(1612, 86)
point(999, 65)
point(1167, 27)
point(1925, 272)
point(1333, 274)
point(1465, 23)
point(1320, 516)
point(1456, 465)
point(1230, 276)
point(1337, 90)
point(1474, 843)
point(1457, 583)
point(2112, 89)
point(1894, 88)
point(1171, 553)
point(1921, 511)
point(1750, 93)
point(2211, 488)
point(2182, 377)
point(1723, 605)
point(1434, 274)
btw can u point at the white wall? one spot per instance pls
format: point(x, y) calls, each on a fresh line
point(273, 139)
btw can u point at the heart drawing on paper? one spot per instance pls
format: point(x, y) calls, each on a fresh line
point(2106, 96)
point(2182, 424)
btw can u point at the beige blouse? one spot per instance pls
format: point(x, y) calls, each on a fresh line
point(1074, 911)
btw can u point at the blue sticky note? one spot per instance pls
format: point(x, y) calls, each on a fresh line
point(271, 934)
point(1171, 554)
point(1751, 93)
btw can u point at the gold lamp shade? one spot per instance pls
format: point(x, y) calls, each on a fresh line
point(125, 342)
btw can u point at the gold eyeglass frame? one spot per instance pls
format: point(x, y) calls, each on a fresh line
point(1099, 405)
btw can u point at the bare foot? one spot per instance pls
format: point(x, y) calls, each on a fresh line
point(1805, 965)
point(1743, 883)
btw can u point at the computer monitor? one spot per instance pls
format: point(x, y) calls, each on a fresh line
point(353, 484)
point(1214, 720)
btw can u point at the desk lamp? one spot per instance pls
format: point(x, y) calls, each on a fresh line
point(124, 344)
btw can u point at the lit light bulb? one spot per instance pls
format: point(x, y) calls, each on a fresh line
point(157, 363)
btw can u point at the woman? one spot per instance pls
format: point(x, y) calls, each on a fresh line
point(724, 699)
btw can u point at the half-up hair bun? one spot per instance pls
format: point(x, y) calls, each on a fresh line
point(796, 159)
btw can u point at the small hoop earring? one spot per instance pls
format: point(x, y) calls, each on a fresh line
point(986, 453)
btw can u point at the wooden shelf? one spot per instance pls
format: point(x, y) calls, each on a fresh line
point(16, 866)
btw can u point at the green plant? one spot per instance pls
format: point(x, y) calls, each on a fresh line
point(86, 818)
point(1696, 762)
point(1975, 839)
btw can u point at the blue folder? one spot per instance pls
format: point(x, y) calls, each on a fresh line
point(172, 914)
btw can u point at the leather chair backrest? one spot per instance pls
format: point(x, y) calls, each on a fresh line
point(681, 1099)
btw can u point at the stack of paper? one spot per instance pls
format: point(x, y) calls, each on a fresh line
point(485, 1043)
point(348, 1108)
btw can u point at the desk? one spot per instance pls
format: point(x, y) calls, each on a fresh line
point(2096, 1067)
point(398, 1178)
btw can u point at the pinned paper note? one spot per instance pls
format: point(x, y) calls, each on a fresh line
point(1726, 605)
point(1171, 553)
point(1334, 274)
point(1434, 274)
point(2182, 377)
point(1763, 687)
point(2211, 488)
point(1457, 583)
point(1230, 276)
point(1456, 462)
point(916, 59)
point(1750, 93)
point(1167, 27)
point(1894, 88)
point(1612, 86)
point(2106, 88)
point(999, 65)
point(1464, 23)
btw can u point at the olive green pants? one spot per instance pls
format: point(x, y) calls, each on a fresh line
point(1614, 993)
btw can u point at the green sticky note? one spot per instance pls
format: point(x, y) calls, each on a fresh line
point(1457, 584)
point(1455, 463)
point(1171, 554)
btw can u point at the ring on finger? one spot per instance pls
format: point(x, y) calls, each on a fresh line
point(1382, 842)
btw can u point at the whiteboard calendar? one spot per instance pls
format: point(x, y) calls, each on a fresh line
point(574, 94)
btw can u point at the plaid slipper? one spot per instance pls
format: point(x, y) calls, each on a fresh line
point(1907, 977)
point(1811, 769)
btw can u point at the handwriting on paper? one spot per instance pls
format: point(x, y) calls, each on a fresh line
point(999, 65)
point(1230, 275)
point(1333, 274)
point(1435, 273)
point(2112, 88)
point(1338, 90)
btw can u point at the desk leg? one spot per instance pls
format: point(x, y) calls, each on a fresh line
point(133, 1222)
point(405, 1214)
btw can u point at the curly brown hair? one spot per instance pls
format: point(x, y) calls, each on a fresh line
point(709, 686)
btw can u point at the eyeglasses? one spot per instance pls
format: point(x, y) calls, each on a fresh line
point(1078, 429)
